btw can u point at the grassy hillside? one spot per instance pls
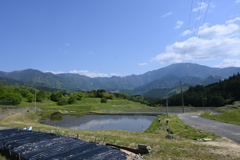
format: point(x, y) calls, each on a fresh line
point(83, 106)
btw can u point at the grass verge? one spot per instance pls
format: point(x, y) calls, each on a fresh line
point(230, 116)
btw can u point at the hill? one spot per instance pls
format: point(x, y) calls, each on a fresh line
point(166, 77)
point(216, 94)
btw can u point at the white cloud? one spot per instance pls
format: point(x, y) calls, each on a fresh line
point(237, 1)
point(89, 74)
point(229, 63)
point(219, 41)
point(187, 32)
point(142, 64)
point(218, 30)
point(200, 49)
point(54, 72)
point(67, 44)
point(167, 14)
point(179, 24)
point(201, 6)
point(233, 20)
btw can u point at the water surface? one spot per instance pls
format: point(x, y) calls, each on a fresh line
point(103, 122)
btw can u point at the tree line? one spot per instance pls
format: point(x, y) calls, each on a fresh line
point(215, 95)
point(14, 95)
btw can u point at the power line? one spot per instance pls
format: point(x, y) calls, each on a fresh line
point(189, 22)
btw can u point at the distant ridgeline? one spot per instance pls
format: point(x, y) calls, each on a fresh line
point(216, 94)
point(149, 84)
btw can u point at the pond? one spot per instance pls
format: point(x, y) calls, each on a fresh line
point(101, 122)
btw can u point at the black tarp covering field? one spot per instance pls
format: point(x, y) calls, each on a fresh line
point(18, 144)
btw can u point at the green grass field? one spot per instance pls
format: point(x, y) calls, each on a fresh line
point(230, 116)
point(182, 146)
point(83, 106)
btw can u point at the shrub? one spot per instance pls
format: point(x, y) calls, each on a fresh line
point(103, 100)
point(72, 99)
point(56, 96)
point(30, 97)
point(62, 101)
point(14, 98)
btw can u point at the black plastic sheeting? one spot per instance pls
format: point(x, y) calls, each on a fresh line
point(31, 145)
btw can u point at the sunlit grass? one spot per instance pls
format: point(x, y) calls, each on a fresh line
point(230, 116)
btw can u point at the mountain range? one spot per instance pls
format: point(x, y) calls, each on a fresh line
point(147, 84)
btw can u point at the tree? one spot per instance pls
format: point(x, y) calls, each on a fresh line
point(2, 92)
point(99, 93)
point(72, 99)
point(78, 95)
point(13, 98)
point(62, 101)
point(24, 92)
point(30, 97)
point(56, 96)
point(103, 100)
point(40, 96)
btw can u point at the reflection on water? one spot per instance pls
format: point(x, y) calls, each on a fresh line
point(57, 116)
point(105, 122)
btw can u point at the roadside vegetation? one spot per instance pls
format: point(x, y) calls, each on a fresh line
point(227, 116)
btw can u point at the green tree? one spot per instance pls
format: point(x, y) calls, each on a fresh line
point(62, 101)
point(56, 96)
point(78, 95)
point(72, 99)
point(2, 92)
point(99, 93)
point(13, 98)
point(40, 96)
point(24, 92)
point(30, 97)
point(103, 100)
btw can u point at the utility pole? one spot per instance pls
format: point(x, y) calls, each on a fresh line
point(35, 100)
point(182, 97)
point(166, 102)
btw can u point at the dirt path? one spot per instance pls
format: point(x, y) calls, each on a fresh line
point(9, 111)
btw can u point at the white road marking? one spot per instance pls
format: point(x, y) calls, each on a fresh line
point(194, 116)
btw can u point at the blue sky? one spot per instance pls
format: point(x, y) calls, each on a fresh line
point(102, 38)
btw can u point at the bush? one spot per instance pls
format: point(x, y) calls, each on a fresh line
point(56, 96)
point(72, 99)
point(30, 97)
point(62, 101)
point(78, 95)
point(24, 92)
point(14, 98)
point(40, 96)
point(103, 100)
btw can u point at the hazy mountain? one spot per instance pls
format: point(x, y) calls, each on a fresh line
point(31, 75)
point(169, 77)
point(157, 88)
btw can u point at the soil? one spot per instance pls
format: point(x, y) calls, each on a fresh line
point(226, 148)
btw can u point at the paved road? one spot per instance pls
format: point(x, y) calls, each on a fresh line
point(219, 128)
